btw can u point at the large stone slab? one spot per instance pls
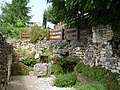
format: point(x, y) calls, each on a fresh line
point(42, 69)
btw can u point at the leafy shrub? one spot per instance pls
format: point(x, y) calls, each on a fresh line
point(29, 61)
point(57, 69)
point(12, 31)
point(94, 86)
point(98, 74)
point(20, 51)
point(46, 55)
point(64, 65)
point(19, 68)
point(65, 80)
point(38, 33)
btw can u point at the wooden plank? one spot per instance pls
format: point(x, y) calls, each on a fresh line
point(55, 35)
point(55, 31)
point(24, 38)
point(70, 34)
point(69, 31)
point(55, 39)
point(24, 35)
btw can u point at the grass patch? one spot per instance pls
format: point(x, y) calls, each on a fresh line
point(98, 74)
point(64, 65)
point(65, 80)
point(93, 86)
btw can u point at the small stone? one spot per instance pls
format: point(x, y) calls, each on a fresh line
point(115, 71)
point(118, 68)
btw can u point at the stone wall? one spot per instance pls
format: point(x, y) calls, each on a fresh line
point(101, 50)
point(5, 62)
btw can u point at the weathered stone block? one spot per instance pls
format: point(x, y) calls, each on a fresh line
point(42, 69)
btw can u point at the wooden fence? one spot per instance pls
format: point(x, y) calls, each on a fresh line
point(24, 35)
point(69, 34)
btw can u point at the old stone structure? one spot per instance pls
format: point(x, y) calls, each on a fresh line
point(99, 50)
point(5, 62)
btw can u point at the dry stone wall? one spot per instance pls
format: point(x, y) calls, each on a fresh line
point(101, 50)
point(5, 62)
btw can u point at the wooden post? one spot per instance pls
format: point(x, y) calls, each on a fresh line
point(62, 34)
point(48, 35)
point(20, 35)
point(78, 33)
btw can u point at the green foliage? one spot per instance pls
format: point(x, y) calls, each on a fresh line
point(29, 61)
point(20, 51)
point(64, 65)
point(12, 31)
point(67, 11)
point(49, 15)
point(94, 86)
point(99, 74)
point(65, 80)
point(14, 17)
point(19, 68)
point(57, 69)
point(15, 13)
point(46, 55)
point(92, 12)
point(38, 33)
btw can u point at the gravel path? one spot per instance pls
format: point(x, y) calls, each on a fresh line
point(33, 83)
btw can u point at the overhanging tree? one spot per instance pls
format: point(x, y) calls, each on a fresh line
point(91, 12)
point(50, 16)
point(69, 11)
